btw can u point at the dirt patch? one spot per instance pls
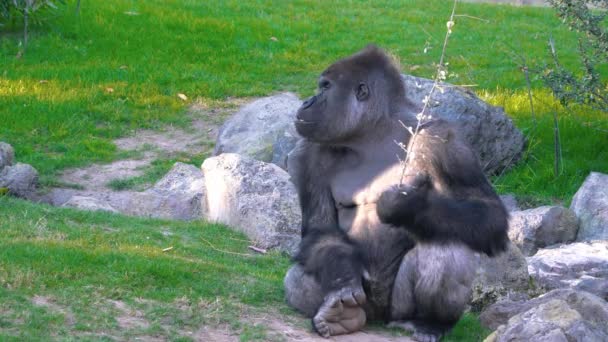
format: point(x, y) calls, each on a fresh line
point(285, 328)
point(150, 145)
point(50, 304)
point(96, 177)
point(214, 334)
point(129, 318)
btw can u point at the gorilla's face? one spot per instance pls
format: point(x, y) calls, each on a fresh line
point(336, 113)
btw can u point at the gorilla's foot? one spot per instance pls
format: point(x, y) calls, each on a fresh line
point(422, 331)
point(341, 313)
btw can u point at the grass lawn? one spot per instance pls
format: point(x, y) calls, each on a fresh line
point(120, 65)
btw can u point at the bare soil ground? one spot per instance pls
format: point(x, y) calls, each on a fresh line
point(149, 145)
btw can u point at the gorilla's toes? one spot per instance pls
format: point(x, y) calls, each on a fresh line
point(341, 313)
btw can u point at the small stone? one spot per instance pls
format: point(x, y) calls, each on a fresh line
point(20, 179)
point(7, 155)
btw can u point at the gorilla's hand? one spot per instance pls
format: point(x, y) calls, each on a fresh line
point(399, 204)
point(341, 312)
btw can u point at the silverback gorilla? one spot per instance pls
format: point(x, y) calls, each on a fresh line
point(372, 249)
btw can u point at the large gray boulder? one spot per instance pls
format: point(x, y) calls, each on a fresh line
point(7, 155)
point(579, 265)
point(176, 196)
point(254, 197)
point(590, 203)
point(540, 227)
point(500, 312)
point(20, 179)
point(487, 128)
point(561, 315)
point(498, 277)
point(262, 129)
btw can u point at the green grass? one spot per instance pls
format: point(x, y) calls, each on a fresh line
point(582, 134)
point(58, 112)
point(82, 260)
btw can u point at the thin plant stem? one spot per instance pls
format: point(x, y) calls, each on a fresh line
point(438, 77)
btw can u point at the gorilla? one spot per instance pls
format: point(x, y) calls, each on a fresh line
point(379, 242)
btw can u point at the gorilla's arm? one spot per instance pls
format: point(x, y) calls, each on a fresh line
point(326, 252)
point(452, 201)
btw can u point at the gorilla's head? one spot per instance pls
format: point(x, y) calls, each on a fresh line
point(353, 94)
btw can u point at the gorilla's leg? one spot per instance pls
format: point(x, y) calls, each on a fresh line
point(432, 288)
point(333, 314)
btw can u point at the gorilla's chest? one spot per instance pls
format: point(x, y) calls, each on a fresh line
point(356, 190)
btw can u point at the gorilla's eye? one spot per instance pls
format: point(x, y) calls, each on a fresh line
point(324, 84)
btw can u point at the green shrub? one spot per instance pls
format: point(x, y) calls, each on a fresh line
point(587, 17)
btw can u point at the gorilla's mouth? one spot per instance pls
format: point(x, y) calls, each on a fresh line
point(304, 122)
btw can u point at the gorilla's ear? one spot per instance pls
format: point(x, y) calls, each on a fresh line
point(362, 92)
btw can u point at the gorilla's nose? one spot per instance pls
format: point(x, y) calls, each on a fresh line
point(308, 102)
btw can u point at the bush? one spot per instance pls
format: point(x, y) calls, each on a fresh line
point(29, 10)
point(586, 87)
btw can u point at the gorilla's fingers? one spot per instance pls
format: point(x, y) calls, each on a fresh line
point(359, 296)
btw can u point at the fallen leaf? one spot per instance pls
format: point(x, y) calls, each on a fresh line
point(183, 97)
point(414, 67)
point(110, 90)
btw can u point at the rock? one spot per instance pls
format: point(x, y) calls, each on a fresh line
point(510, 202)
point(540, 227)
point(182, 178)
point(498, 277)
point(590, 203)
point(254, 197)
point(262, 129)
point(579, 265)
point(491, 133)
point(176, 196)
point(7, 155)
point(20, 179)
point(560, 315)
point(89, 203)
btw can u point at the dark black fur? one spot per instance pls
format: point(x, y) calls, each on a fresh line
point(450, 202)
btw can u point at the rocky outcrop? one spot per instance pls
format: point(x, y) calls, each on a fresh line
point(590, 203)
point(540, 227)
point(254, 197)
point(579, 265)
point(560, 315)
point(176, 196)
point(262, 129)
point(498, 277)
